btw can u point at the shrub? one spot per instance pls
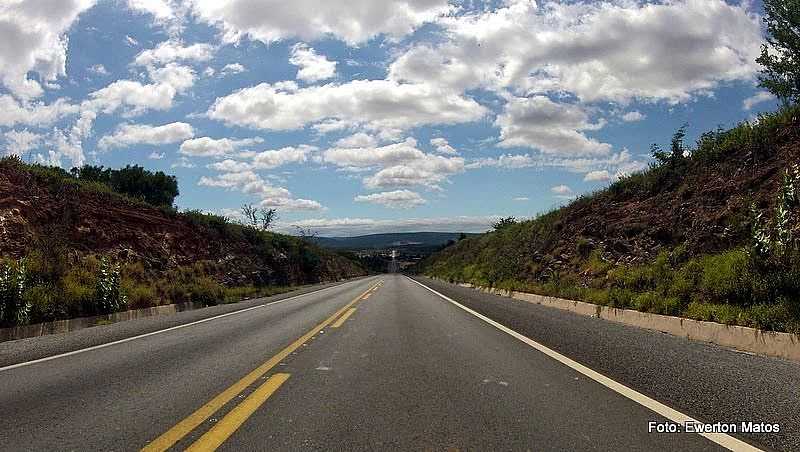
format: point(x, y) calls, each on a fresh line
point(45, 303)
point(141, 296)
point(155, 188)
point(206, 291)
point(110, 297)
point(726, 278)
point(13, 308)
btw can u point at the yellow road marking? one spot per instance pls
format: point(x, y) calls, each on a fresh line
point(214, 438)
point(344, 317)
point(182, 428)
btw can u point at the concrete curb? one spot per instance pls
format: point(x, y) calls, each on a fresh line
point(65, 326)
point(769, 343)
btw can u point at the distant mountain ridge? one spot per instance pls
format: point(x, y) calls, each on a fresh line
point(399, 239)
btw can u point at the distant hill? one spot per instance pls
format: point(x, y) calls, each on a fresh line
point(393, 240)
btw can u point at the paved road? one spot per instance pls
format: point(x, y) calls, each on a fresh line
point(374, 364)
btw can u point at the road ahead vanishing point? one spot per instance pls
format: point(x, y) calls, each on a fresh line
point(380, 363)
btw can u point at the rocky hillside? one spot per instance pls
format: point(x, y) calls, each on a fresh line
point(694, 203)
point(61, 233)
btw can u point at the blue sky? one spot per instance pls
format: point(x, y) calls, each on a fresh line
point(359, 116)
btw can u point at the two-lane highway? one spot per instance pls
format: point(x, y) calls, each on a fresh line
point(374, 364)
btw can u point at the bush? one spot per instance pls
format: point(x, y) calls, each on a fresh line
point(13, 308)
point(726, 278)
point(206, 291)
point(45, 304)
point(155, 188)
point(141, 296)
point(110, 297)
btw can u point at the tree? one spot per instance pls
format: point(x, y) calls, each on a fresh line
point(155, 188)
point(259, 218)
point(780, 56)
point(503, 223)
point(677, 147)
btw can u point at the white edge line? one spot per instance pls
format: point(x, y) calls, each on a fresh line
point(166, 330)
point(724, 440)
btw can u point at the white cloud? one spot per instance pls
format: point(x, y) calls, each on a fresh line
point(209, 147)
point(160, 9)
point(619, 164)
point(633, 116)
point(357, 140)
point(18, 142)
point(265, 159)
point(443, 147)
point(597, 176)
point(354, 21)
point(33, 37)
point(99, 69)
point(553, 128)
point(137, 98)
point(251, 183)
point(614, 50)
point(156, 155)
point(172, 51)
point(313, 66)
point(398, 199)
point(233, 68)
point(757, 98)
point(506, 161)
point(561, 190)
point(130, 134)
point(380, 104)
point(38, 114)
point(521, 199)
point(399, 164)
point(358, 226)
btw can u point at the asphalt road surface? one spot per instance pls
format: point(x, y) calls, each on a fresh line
point(380, 363)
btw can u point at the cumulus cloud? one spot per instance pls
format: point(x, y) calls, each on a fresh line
point(172, 51)
point(98, 69)
point(561, 190)
point(357, 140)
point(18, 142)
point(38, 114)
point(130, 134)
point(597, 176)
point(552, 128)
point(265, 159)
point(398, 164)
point(250, 183)
point(397, 199)
point(619, 163)
point(443, 147)
point(757, 98)
point(379, 104)
point(210, 147)
point(233, 68)
point(681, 48)
point(33, 37)
point(633, 116)
point(353, 21)
point(313, 66)
point(137, 97)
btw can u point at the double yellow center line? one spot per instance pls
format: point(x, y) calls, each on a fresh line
point(222, 430)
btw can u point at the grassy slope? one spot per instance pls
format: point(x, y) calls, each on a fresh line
point(62, 229)
point(675, 239)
